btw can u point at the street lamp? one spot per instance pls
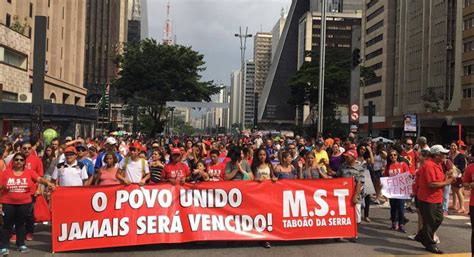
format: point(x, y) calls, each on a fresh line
point(243, 46)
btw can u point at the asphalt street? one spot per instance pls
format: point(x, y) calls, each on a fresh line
point(375, 239)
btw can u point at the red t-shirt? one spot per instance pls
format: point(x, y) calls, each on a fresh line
point(17, 189)
point(430, 172)
point(469, 178)
point(395, 169)
point(32, 163)
point(216, 172)
point(412, 158)
point(176, 171)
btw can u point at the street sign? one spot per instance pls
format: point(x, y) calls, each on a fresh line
point(354, 108)
point(354, 116)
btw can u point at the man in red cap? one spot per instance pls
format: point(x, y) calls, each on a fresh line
point(352, 169)
point(71, 172)
point(176, 170)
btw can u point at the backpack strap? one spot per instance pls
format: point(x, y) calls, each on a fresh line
point(125, 164)
point(143, 167)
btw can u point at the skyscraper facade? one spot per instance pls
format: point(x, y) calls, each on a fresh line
point(235, 98)
point(249, 93)
point(262, 55)
point(276, 32)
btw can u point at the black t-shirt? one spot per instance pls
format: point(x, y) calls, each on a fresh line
point(156, 173)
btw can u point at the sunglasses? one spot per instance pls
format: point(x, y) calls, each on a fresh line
point(81, 150)
point(393, 154)
point(26, 148)
point(19, 160)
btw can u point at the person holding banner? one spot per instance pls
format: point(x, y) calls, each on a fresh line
point(262, 167)
point(215, 169)
point(17, 184)
point(312, 169)
point(397, 206)
point(285, 170)
point(107, 175)
point(70, 172)
point(351, 168)
point(176, 171)
point(236, 168)
point(133, 168)
point(430, 184)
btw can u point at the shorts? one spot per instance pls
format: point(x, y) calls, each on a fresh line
point(377, 174)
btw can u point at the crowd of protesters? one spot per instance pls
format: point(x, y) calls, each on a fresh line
point(29, 168)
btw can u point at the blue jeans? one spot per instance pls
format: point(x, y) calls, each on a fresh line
point(447, 189)
point(397, 211)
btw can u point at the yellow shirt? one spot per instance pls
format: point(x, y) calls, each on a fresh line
point(321, 155)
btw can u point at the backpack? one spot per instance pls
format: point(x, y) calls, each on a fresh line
point(125, 164)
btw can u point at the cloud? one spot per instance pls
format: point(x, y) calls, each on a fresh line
point(208, 26)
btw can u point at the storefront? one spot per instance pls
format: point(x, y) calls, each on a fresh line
point(68, 120)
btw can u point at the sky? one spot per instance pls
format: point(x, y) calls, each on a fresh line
point(208, 26)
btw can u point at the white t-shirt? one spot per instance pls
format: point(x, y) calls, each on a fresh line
point(134, 169)
point(70, 175)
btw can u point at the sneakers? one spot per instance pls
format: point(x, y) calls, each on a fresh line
point(13, 238)
point(412, 237)
point(4, 252)
point(401, 229)
point(394, 226)
point(436, 239)
point(445, 214)
point(366, 219)
point(353, 240)
point(23, 249)
point(29, 237)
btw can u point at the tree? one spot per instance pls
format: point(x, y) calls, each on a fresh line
point(304, 87)
point(152, 74)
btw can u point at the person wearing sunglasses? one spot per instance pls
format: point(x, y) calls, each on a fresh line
point(82, 157)
point(32, 163)
point(397, 206)
point(17, 184)
point(70, 172)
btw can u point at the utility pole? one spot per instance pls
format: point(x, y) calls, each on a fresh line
point(243, 46)
point(322, 58)
point(39, 66)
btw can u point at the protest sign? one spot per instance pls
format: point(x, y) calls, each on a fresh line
point(397, 187)
point(109, 216)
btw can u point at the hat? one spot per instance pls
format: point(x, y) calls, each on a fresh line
point(176, 151)
point(351, 152)
point(68, 138)
point(461, 143)
point(83, 147)
point(93, 148)
point(70, 149)
point(438, 149)
point(155, 145)
point(320, 143)
point(110, 141)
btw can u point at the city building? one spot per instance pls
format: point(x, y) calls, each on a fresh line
point(339, 6)
point(378, 32)
point(106, 34)
point(64, 70)
point(416, 51)
point(296, 38)
point(262, 54)
point(235, 98)
point(250, 75)
point(137, 20)
point(277, 30)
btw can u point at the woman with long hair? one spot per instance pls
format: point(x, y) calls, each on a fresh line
point(262, 167)
point(107, 175)
point(366, 159)
point(459, 160)
point(157, 164)
point(17, 185)
point(397, 206)
point(285, 170)
point(336, 159)
point(311, 169)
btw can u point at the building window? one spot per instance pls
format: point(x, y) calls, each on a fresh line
point(373, 94)
point(8, 20)
point(9, 1)
point(77, 100)
point(374, 14)
point(47, 44)
point(31, 10)
point(372, 81)
point(47, 23)
point(63, 12)
point(373, 54)
point(374, 40)
point(372, 3)
point(52, 97)
point(13, 58)
point(49, 3)
point(65, 97)
point(375, 27)
point(376, 66)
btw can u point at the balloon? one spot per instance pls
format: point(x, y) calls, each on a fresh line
point(49, 135)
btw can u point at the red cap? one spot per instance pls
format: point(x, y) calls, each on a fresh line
point(70, 149)
point(176, 151)
point(461, 143)
point(351, 152)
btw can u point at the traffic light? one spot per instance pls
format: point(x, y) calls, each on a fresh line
point(355, 58)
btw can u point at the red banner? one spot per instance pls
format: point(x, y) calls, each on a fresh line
point(109, 216)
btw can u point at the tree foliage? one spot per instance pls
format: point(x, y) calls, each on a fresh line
point(304, 86)
point(152, 74)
